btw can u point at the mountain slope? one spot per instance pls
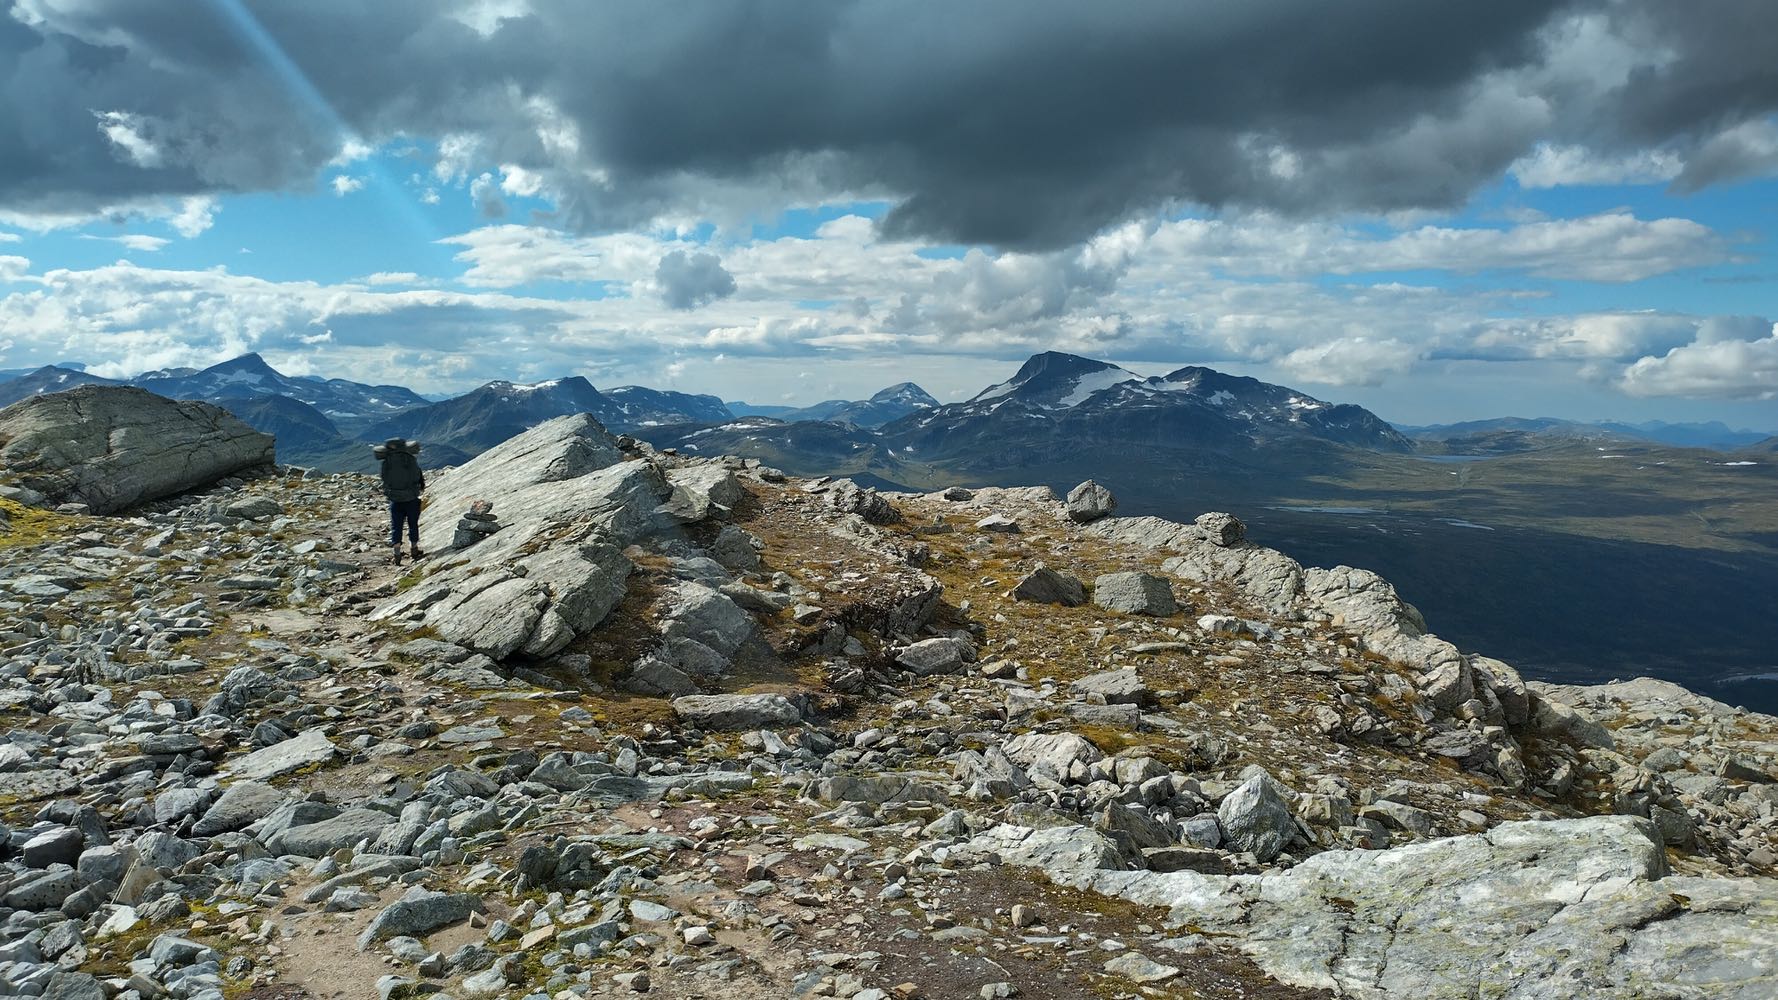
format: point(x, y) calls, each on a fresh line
point(884, 407)
point(296, 425)
point(250, 375)
point(479, 420)
point(640, 406)
point(741, 408)
point(49, 378)
point(1057, 402)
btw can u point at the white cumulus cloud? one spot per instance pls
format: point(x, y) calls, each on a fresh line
point(1710, 369)
point(1350, 361)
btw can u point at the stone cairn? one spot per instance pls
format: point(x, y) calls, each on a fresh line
point(477, 523)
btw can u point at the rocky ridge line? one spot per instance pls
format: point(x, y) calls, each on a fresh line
point(241, 752)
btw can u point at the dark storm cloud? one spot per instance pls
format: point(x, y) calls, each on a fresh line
point(1028, 124)
point(690, 280)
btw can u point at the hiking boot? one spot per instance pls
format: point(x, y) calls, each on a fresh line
point(397, 550)
point(414, 550)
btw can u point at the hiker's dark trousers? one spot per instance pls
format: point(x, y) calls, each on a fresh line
point(404, 511)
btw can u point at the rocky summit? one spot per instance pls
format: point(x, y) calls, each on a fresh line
point(643, 723)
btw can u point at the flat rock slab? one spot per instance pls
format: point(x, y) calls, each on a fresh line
point(1534, 910)
point(29, 786)
point(728, 712)
point(312, 747)
point(240, 804)
point(321, 839)
point(470, 734)
point(418, 914)
point(830, 842)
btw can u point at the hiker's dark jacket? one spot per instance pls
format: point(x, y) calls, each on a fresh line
point(402, 478)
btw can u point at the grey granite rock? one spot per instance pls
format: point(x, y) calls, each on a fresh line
point(1135, 594)
point(112, 447)
point(736, 711)
point(1255, 818)
point(1089, 502)
point(1046, 586)
point(311, 747)
point(317, 840)
point(419, 913)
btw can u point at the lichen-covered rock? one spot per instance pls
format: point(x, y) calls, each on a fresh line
point(725, 712)
point(1089, 502)
point(1222, 529)
point(1255, 818)
point(1115, 687)
point(112, 447)
point(848, 497)
point(1269, 577)
point(702, 492)
point(935, 656)
point(1046, 586)
point(1580, 907)
point(1135, 594)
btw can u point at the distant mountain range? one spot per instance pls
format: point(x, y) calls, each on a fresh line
point(327, 423)
point(1506, 434)
point(889, 405)
point(1055, 408)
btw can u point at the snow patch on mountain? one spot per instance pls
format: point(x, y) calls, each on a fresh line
point(1086, 385)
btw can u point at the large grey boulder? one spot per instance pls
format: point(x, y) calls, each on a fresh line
point(1255, 818)
point(1367, 604)
point(702, 492)
point(1055, 849)
point(1089, 502)
point(1046, 586)
point(929, 657)
point(321, 839)
point(1051, 755)
point(1560, 721)
point(418, 914)
point(311, 747)
point(240, 804)
point(696, 613)
point(111, 447)
point(1221, 529)
point(848, 497)
point(569, 504)
point(1135, 594)
point(1269, 577)
point(736, 711)
point(1116, 687)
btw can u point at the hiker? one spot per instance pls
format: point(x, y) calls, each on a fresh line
point(402, 484)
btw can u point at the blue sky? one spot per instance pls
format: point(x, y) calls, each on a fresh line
point(1519, 242)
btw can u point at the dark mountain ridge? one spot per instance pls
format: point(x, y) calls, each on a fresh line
point(1061, 401)
point(480, 419)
